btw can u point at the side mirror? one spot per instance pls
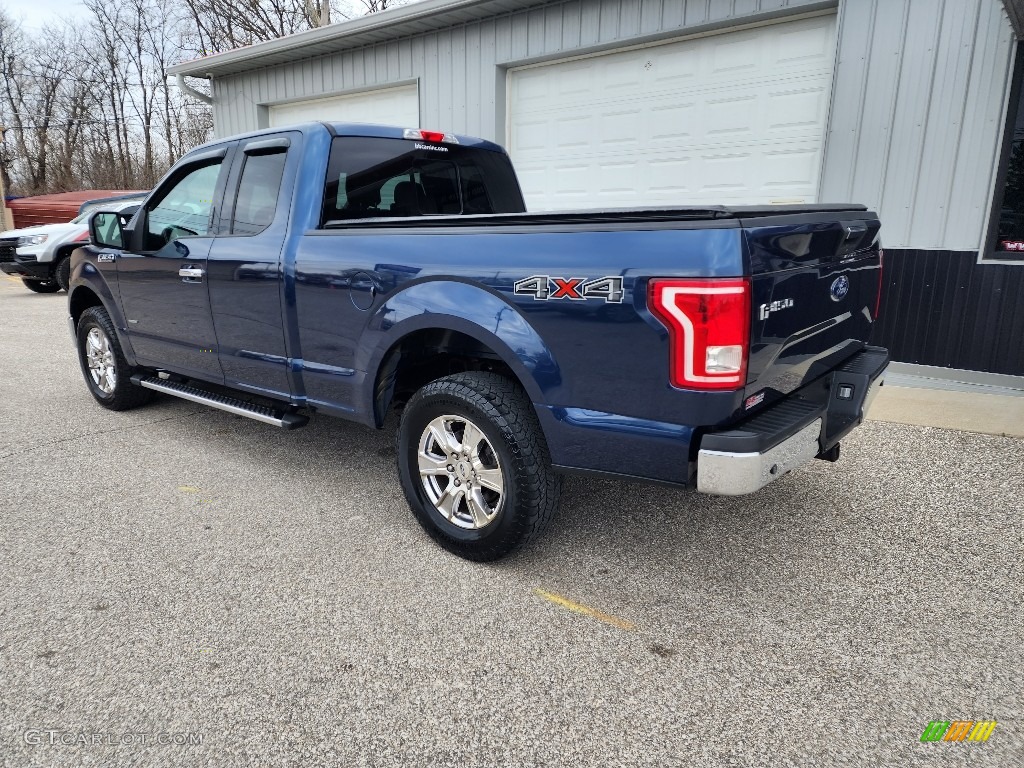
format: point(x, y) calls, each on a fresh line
point(106, 230)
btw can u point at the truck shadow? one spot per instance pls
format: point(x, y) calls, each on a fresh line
point(614, 530)
point(20, 293)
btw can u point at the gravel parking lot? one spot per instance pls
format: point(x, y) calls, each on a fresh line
point(176, 570)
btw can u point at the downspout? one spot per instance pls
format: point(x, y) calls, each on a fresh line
point(192, 91)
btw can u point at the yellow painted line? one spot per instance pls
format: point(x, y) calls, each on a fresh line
point(586, 610)
point(13, 279)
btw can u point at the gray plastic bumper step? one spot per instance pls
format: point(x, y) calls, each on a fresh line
point(223, 402)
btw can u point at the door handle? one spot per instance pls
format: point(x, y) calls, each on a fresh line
point(191, 273)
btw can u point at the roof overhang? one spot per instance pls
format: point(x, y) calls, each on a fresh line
point(1015, 10)
point(392, 24)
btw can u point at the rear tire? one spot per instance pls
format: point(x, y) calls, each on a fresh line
point(62, 273)
point(475, 467)
point(106, 372)
point(40, 286)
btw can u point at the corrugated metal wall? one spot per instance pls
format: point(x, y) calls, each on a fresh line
point(461, 87)
point(920, 89)
point(944, 308)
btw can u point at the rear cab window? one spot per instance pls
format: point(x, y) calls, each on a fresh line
point(378, 178)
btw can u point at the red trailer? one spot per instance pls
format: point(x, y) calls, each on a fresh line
point(55, 209)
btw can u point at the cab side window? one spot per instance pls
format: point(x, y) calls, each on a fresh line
point(185, 210)
point(258, 190)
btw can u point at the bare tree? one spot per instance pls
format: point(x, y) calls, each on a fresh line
point(44, 107)
point(373, 6)
point(91, 107)
point(226, 24)
point(15, 108)
point(222, 25)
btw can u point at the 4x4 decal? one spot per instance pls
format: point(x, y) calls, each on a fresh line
point(547, 287)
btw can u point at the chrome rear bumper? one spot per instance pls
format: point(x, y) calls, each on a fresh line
point(807, 424)
point(735, 474)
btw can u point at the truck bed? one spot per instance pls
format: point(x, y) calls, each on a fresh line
point(666, 216)
point(596, 362)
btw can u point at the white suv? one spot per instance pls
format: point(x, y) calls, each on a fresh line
point(41, 255)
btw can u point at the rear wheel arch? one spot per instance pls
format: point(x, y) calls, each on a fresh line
point(422, 355)
point(472, 320)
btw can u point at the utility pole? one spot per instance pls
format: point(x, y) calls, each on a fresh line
point(5, 216)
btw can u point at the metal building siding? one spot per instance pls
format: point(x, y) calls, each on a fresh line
point(460, 86)
point(942, 308)
point(918, 98)
point(915, 119)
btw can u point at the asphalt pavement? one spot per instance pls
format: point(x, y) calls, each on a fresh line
point(179, 586)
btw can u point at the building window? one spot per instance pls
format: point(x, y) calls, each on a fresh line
point(1008, 216)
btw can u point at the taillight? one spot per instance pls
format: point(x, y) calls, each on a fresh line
point(881, 269)
point(708, 325)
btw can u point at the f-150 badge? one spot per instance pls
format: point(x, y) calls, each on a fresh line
point(766, 309)
point(546, 288)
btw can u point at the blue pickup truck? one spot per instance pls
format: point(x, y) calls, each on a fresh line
point(356, 270)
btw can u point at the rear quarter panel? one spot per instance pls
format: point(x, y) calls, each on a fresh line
point(578, 354)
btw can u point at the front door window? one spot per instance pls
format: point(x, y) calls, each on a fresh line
point(185, 211)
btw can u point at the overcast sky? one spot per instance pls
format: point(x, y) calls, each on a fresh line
point(35, 13)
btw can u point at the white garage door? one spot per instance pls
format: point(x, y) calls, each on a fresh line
point(389, 106)
point(728, 119)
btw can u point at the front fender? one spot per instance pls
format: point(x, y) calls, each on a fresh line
point(49, 253)
point(467, 308)
point(89, 283)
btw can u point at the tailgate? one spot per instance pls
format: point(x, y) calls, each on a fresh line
point(815, 278)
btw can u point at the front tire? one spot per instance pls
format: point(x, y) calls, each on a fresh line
point(40, 286)
point(62, 273)
point(106, 372)
point(475, 467)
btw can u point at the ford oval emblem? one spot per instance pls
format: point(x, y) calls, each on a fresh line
point(840, 287)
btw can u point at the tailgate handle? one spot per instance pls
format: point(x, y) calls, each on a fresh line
point(854, 229)
point(853, 236)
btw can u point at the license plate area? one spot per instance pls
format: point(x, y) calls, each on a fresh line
point(852, 388)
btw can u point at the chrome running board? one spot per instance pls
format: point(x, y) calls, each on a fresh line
point(222, 402)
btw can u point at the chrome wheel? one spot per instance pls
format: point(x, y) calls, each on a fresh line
point(460, 472)
point(100, 357)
